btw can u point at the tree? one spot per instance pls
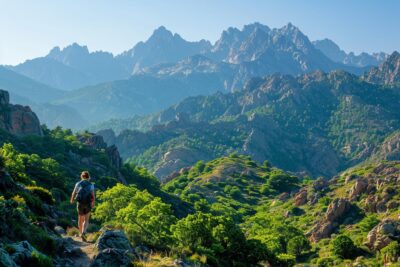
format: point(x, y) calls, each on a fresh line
point(343, 247)
point(297, 245)
point(282, 182)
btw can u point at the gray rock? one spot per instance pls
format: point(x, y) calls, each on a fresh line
point(59, 230)
point(382, 234)
point(111, 257)
point(23, 252)
point(6, 260)
point(113, 239)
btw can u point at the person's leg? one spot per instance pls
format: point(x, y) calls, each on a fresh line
point(86, 222)
point(81, 219)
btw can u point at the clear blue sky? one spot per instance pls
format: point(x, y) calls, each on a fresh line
point(30, 29)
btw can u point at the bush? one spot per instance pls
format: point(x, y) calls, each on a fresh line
point(42, 193)
point(39, 260)
point(391, 252)
point(297, 245)
point(325, 262)
point(343, 247)
point(281, 182)
point(286, 260)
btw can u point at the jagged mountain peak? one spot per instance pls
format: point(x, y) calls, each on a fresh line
point(162, 34)
point(72, 49)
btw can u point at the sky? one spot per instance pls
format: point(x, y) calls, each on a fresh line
point(29, 29)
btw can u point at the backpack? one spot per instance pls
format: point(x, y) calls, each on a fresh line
point(84, 195)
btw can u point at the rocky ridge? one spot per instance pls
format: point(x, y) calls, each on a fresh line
point(17, 119)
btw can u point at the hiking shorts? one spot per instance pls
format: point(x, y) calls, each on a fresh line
point(83, 208)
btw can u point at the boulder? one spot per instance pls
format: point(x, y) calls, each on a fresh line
point(335, 212)
point(321, 230)
point(301, 197)
point(22, 253)
point(337, 209)
point(320, 184)
point(5, 258)
point(111, 257)
point(381, 235)
point(113, 239)
point(114, 250)
point(59, 230)
point(358, 188)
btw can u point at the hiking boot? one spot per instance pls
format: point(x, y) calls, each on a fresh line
point(83, 236)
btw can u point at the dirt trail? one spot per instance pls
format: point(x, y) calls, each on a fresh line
point(88, 251)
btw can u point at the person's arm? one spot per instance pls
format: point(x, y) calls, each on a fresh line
point(73, 195)
point(93, 199)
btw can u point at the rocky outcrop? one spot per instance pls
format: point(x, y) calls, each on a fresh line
point(382, 234)
point(335, 212)
point(176, 159)
point(388, 73)
point(301, 197)
point(96, 141)
point(114, 156)
point(17, 119)
point(93, 140)
point(358, 188)
point(114, 250)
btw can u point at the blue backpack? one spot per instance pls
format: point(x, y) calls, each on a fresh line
point(84, 194)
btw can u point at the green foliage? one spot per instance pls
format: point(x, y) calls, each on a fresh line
point(39, 260)
point(42, 193)
point(282, 182)
point(223, 238)
point(369, 222)
point(145, 217)
point(391, 252)
point(297, 245)
point(343, 247)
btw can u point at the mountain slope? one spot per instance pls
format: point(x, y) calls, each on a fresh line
point(318, 123)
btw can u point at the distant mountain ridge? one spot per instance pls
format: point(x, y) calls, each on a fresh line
point(333, 51)
point(298, 123)
point(103, 86)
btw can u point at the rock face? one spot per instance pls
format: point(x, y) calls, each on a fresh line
point(333, 215)
point(388, 73)
point(114, 250)
point(17, 119)
point(382, 234)
point(177, 159)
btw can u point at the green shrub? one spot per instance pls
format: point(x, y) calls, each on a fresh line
point(325, 262)
point(343, 247)
point(391, 252)
point(39, 260)
point(368, 222)
point(42, 193)
point(297, 245)
point(286, 260)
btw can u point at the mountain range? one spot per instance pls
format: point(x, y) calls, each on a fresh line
point(98, 86)
point(317, 123)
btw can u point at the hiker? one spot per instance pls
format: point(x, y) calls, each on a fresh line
point(84, 194)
